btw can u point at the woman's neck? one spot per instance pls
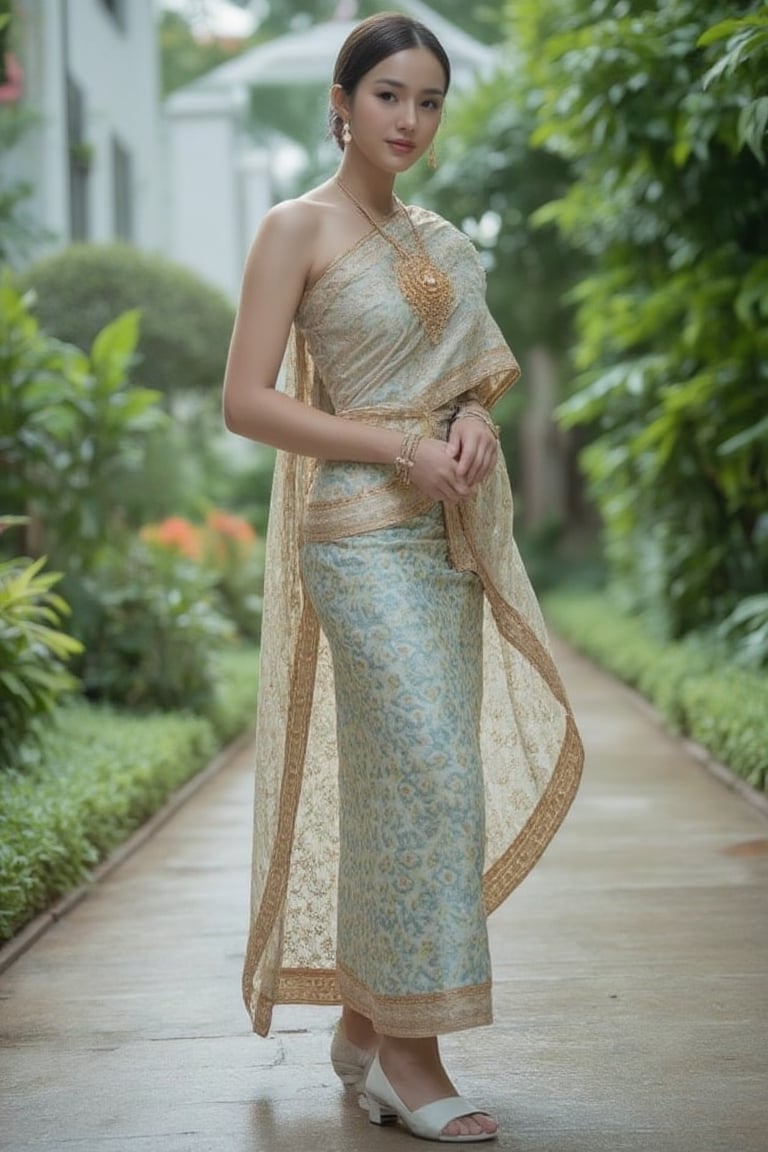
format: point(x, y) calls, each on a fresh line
point(372, 187)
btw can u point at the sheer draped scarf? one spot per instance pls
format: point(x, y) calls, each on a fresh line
point(532, 753)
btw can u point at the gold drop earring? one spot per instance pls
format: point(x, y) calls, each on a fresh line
point(432, 156)
point(346, 135)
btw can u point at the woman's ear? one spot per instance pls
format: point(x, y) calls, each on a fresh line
point(339, 102)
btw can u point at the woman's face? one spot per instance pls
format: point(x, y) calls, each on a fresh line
point(396, 109)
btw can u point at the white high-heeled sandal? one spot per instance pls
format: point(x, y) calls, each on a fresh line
point(349, 1062)
point(427, 1122)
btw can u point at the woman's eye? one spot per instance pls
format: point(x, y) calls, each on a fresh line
point(386, 96)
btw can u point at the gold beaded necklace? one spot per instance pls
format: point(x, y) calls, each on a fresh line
point(426, 288)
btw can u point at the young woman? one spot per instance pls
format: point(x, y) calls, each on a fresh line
point(415, 748)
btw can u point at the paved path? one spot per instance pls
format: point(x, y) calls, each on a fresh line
point(631, 984)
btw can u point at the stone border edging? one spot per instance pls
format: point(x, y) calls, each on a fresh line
point(31, 932)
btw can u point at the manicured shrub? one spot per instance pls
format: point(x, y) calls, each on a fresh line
point(693, 683)
point(185, 323)
point(99, 774)
point(727, 712)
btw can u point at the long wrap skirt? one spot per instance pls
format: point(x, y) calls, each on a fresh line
point(404, 629)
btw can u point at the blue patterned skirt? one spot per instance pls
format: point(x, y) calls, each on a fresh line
point(405, 634)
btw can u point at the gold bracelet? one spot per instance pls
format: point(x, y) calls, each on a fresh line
point(405, 458)
point(486, 419)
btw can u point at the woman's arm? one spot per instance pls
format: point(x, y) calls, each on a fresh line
point(273, 283)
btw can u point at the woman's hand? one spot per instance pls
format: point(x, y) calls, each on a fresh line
point(436, 472)
point(474, 447)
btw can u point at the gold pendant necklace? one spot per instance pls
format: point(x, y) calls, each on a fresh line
point(424, 287)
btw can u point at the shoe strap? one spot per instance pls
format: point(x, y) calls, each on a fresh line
point(440, 1112)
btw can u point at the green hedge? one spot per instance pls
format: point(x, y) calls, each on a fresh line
point(185, 322)
point(723, 707)
point(101, 774)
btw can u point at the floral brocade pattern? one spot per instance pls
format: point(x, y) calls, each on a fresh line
point(381, 899)
point(405, 632)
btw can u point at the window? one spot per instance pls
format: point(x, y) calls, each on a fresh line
point(122, 191)
point(80, 156)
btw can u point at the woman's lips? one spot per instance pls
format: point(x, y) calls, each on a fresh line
point(401, 145)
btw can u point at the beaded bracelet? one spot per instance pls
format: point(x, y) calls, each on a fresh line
point(404, 460)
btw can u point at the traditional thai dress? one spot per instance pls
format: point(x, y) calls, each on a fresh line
point(415, 750)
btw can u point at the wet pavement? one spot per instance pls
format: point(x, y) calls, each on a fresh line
point(631, 982)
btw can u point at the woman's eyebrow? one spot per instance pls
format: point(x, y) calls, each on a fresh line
point(399, 84)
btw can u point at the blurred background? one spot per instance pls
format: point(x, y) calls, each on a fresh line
point(607, 157)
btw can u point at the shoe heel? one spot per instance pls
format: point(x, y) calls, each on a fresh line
point(379, 1113)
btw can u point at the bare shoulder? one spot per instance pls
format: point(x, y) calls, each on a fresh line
point(291, 232)
point(291, 220)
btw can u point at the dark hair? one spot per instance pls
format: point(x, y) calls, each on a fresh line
point(372, 41)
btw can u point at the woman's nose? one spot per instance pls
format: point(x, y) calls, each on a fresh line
point(407, 115)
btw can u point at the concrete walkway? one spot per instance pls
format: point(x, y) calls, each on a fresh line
point(631, 983)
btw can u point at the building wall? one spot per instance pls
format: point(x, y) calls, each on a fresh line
point(111, 58)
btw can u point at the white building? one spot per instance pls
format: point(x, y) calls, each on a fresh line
point(90, 73)
point(105, 165)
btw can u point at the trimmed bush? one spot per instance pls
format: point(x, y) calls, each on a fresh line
point(692, 683)
point(99, 775)
point(185, 323)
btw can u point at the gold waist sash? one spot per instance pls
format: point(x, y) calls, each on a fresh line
point(377, 505)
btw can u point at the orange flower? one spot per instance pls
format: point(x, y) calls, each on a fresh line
point(225, 524)
point(177, 535)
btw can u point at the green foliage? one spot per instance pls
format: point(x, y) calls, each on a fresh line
point(183, 57)
point(747, 629)
point(726, 713)
point(672, 340)
point(99, 775)
point(18, 230)
point(491, 181)
point(151, 625)
point(71, 430)
point(185, 323)
point(699, 692)
point(233, 707)
point(33, 652)
point(747, 40)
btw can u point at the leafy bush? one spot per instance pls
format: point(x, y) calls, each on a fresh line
point(747, 625)
point(99, 775)
point(71, 430)
point(150, 623)
point(227, 548)
point(33, 652)
point(670, 199)
point(694, 686)
point(185, 323)
point(233, 707)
